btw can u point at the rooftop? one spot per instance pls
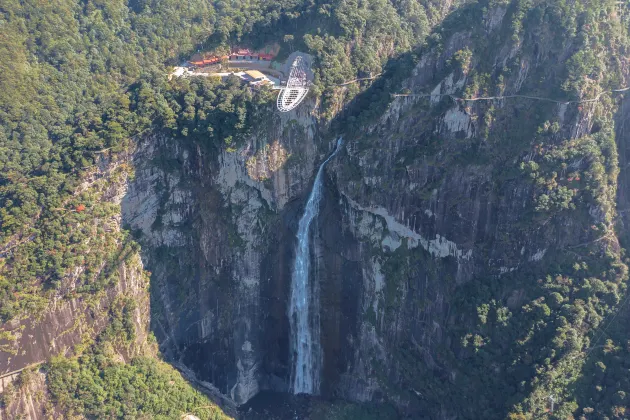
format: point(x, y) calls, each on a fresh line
point(255, 74)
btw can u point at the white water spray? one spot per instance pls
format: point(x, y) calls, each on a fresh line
point(304, 307)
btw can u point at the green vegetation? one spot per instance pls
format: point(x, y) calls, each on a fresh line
point(349, 39)
point(543, 329)
point(64, 107)
point(579, 169)
point(100, 384)
point(93, 101)
point(542, 346)
point(603, 392)
point(82, 81)
point(202, 110)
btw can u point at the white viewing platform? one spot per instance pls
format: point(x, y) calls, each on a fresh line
point(296, 88)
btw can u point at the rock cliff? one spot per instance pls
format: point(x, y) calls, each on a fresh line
point(217, 230)
point(468, 240)
point(428, 204)
point(71, 320)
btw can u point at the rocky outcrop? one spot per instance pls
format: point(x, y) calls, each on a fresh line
point(27, 398)
point(216, 234)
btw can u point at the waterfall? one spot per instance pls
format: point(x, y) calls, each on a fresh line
point(304, 307)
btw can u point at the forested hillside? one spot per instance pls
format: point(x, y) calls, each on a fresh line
point(82, 83)
point(561, 351)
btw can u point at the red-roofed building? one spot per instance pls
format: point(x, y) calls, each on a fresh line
point(247, 54)
point(207, 61)
point(237, 54)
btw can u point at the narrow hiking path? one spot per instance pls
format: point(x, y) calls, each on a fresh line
point(491, 98)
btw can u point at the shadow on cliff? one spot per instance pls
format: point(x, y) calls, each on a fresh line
point(173, 218)
point(218, 303)
point(229, 333)
point(206, 321)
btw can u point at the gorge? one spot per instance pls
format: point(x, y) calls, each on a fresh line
point(179, 247)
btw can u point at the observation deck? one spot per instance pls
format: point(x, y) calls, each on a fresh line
point(297, 86)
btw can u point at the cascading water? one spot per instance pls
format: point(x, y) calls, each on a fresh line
point(304, 308)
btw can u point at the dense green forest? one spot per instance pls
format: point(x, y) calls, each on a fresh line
point(67, 75)
point(99, 387)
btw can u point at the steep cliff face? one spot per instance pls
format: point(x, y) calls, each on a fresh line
point(435, 196)
point(437, 213)
point(468, 256)
point(28, 398)
point(217, 229)
point(70, 317)
point(441, 207)
point(71, 320)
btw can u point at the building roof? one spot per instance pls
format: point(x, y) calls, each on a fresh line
point(255, 74)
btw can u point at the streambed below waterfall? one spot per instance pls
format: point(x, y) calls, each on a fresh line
point(284, 406)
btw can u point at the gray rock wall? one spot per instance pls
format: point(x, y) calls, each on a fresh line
point(427, 200)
